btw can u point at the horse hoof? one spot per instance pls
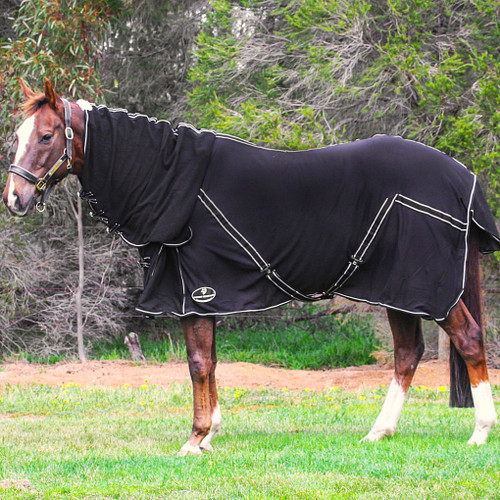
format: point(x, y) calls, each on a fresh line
point(206, 447)
point(477, 438)
point(189, 449)
point(371, 438)
point(374, 436)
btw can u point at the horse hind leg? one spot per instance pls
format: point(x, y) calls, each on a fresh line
point(467, 337)
point(408, 349)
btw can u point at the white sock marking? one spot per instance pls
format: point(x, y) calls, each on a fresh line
point(214, 429)
point(387, 421)
point(189, 449)
point(486, 416)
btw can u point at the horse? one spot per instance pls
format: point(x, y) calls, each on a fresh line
point(183, 225)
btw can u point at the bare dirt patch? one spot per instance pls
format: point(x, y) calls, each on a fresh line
point(117, 373)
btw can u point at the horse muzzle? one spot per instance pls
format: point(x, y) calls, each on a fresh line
point(17, 204)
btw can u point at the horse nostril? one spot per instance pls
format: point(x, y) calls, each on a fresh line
point(14, 204)
point(17, 204)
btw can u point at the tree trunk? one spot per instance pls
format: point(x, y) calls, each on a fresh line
point(134, 346)
point(81, 279)
point(443, 346)
point(78, 213)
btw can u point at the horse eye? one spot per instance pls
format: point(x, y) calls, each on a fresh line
point(46, 138)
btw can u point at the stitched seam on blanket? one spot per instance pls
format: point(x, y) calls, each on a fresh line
point(431, 212)
point(183, 285)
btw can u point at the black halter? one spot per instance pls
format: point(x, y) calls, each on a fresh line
point(42, 183)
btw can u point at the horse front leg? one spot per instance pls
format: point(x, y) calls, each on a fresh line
point(214, 401)
point(408, 349)
point(199, 334)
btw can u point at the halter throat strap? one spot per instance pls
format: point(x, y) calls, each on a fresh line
point(42, 183)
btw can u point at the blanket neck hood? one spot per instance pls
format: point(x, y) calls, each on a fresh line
point(141, 176)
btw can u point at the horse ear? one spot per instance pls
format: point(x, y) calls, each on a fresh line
point(27, 92)
point(50, 94)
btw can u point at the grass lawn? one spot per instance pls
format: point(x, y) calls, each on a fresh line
point(74, 443)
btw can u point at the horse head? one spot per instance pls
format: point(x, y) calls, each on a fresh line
point(45, 149)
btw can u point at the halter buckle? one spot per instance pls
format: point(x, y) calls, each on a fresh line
point(68, 132)
point(68, 158)
point(41, 184)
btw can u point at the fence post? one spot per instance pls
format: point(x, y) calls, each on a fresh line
point(443, 346)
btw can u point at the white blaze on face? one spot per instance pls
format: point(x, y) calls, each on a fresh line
point(23, 137)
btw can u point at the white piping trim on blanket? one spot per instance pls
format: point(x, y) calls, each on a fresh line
point(357, 257)
point(382, 304)
point(189, 313)
point(87, 106)
point(183, 284)
point(216, 217)
point(86, 133)
point(152, 119)
point(136, 245)
point(469, 215)
point(483, 228)
point(156, 263)
point(434, 149)
point(388, 209)
point(276, 282)
point(423, 211)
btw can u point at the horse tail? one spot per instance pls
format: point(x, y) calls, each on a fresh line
point(460, 389)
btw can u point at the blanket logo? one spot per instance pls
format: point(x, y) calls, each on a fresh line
point(204, 294)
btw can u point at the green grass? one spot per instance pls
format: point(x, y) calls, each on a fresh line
point(76, 443)
point(324, 343)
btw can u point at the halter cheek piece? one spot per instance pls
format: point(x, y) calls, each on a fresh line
point(42, 186)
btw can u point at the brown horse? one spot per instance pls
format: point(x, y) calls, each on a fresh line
point(50, 145)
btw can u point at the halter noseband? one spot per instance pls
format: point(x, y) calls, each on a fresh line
point(42, 183)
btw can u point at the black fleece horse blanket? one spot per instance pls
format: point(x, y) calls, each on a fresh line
point(225, 226)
